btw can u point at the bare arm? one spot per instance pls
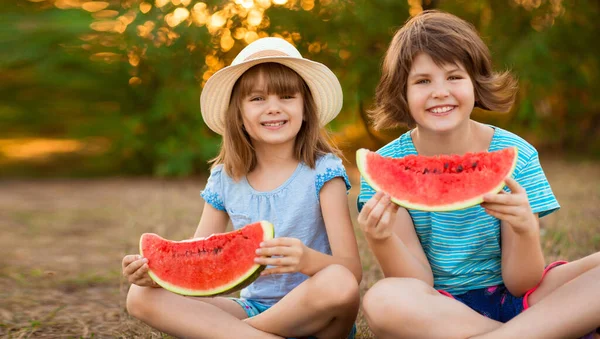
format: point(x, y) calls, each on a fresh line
point(391, 235)
point(212, 221)
point(336, 215)
point(522, 258)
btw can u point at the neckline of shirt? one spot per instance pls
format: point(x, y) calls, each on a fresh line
point(277, 189)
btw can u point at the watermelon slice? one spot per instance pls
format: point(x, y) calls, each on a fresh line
point(219, 264)
point(438, 183)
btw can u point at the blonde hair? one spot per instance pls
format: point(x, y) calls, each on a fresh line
point(237, 153)
point(447, 39)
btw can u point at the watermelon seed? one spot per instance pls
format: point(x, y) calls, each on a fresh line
point(474, 165)
point(216, 250)
point(426, 171)
point(459, 169)
point(446, 165)
point(435, 170)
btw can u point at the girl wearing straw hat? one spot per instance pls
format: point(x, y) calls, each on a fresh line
point(275, 164)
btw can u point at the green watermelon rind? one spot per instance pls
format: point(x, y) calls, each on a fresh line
point(361, 163)
point(244, 280)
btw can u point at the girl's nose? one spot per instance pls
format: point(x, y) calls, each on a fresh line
point(440, 92)
point(273, 106)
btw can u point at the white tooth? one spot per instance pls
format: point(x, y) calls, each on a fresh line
point(273, 124)
point(441, 109)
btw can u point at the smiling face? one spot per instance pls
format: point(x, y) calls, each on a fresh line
point(273, 106)
point(272, 118)
point(440, 98)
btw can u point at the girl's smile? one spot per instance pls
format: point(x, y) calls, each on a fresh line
point(441, 110)
point(274, 124)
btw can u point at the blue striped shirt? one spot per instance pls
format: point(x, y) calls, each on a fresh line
point(463, 246)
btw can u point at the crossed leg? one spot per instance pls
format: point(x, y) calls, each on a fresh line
point(187, 317)
point(409, 308)
point(566, 304)
point(325, 305)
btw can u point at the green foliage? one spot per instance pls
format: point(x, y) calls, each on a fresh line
point(61, 78)
point(552, 50)
point(45, 81)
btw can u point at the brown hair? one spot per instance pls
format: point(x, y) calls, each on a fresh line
point(446, 39)
point(237, 153)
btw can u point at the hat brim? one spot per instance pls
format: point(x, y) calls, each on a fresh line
point(322, 82)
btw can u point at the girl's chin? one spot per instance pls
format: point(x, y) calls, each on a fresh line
point(441, 128)
point(270, 141)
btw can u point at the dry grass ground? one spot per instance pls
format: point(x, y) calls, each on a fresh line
point(61, 244)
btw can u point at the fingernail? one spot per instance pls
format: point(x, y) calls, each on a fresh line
point(145, 260)
point(262, 244)
point(257, 251)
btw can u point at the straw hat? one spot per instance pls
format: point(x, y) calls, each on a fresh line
point(324, 85)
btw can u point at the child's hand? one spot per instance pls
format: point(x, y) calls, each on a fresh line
point(512, 208)
point(377, 217)
point(135, 269)
point(291, 255)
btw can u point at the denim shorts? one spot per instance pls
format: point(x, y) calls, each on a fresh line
point(496, 302)
point(253, 308)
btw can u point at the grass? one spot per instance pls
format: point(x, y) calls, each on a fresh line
point(63, 240)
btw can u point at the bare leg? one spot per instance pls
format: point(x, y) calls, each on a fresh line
point(190, 317)
point(572, 310)
point(409, 308)
point(325, 305)
point(560, 275)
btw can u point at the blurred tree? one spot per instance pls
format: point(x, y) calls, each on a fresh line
point(132, 71)
point(550, 45)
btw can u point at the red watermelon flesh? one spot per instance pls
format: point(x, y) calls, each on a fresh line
point(219, 264)
point(438, 183)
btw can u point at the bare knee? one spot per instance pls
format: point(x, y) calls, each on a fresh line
point(393, 299)
point(335, 287)
point(588, 262)
point(139, 300)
